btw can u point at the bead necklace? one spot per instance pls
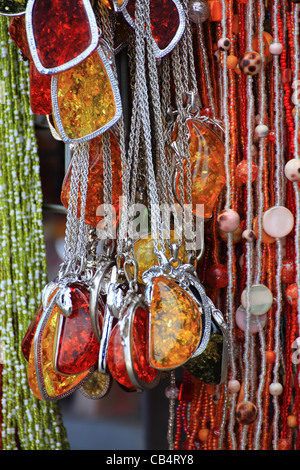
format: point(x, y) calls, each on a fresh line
point(26, 423)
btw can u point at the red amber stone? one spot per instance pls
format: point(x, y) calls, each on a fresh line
point(78, 347)
point(140, 355)
point(17, 31)
point(288, 271)
point(165, 20)
point(95, 182)
point(217, 276)
point(40, 91)
point(61, 30)
point(27, 340)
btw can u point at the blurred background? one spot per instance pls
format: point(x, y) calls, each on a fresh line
point(121, 420)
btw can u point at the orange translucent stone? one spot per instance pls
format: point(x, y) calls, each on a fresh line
point(84, 101)
point(207, 165)
point(55, 384)
point(175, 327)
point(96, 181)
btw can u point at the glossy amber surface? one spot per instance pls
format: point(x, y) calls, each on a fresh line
point(175, 325)
point(207, 166)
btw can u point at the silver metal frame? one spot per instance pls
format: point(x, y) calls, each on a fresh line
point(126, 329)
point(71, 63)
point(117, 98)
point(119, 8)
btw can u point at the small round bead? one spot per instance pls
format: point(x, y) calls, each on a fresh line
point(172, 393)
point(210, 388)
point(217, 276)
point(234, 386)
point(203, 435)
point(292, 421)
point(242, 171)
point(246, 412)
point(232, 62)
point(228, 220)
point(248, 235)
point(270, 357)
point(198, 11)
point(275, 389)
point(291, 293)
point(250, 63)
point(224, 44)
point(292, 169)
point(284, 444)
point(278, 221)
point(276, 48)
point(261, 130)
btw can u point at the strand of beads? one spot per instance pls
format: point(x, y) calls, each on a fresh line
point(27, 423)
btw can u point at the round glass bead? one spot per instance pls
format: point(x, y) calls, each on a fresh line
point(275, 389)
point(246, 412)
point(260, 299)
point(217, 275)
point(250, 63)
point(198, 11)
point(234, 386)
point(276, 48)
point(228, 220)
point(255, 321)
point(292, 169)
point(242, 171)
point(278, 221)
point(172, 392)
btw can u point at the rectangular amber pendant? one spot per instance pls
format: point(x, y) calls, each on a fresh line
point(60, 33)
point(85, 99)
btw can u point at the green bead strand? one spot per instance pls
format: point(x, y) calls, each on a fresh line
point(27, 423)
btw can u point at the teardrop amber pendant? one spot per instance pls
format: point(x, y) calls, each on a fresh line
point(61, 33)
point(77, 346)
point(175, 328)
point(86, 100)
point(95, 189)
point(44, 381)
point(207, 166)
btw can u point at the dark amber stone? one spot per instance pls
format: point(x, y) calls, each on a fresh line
point(12, 7)
point(140, 352)
point(40, 91)
point(17, 31)
point(27, 340)
point(61, 30)
point(78, 347)
point(164, 18)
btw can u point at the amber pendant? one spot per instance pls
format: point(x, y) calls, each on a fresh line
point(179, 324)
point(86, 99)
point(12, 7)
point(45, 382)
point(95, 188)
point(128, 348)
point(207, 166)
point(76, 346)
point(60, 33)
point(167, 23)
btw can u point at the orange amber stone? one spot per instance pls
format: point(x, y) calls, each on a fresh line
point(55, 384)
point(95, 195)
point(207, 166)
point(84, 101)
point(175, 327)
